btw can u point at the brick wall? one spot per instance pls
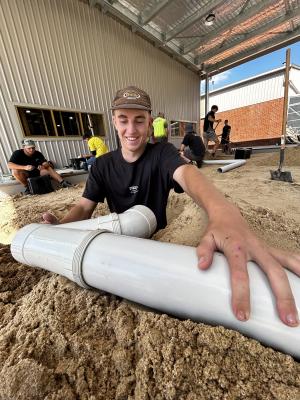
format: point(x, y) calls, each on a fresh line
point(255, 124)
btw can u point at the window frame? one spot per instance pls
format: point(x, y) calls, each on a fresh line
point(48, 137)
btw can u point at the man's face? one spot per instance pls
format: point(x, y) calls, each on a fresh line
point(29, 150)
point(133, 128)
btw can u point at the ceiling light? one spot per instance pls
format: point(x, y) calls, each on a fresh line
point(210, 19)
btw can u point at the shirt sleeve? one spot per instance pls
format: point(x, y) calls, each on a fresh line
point(95, 187)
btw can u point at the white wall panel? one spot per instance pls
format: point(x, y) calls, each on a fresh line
point(252, 92)
point(66, 54)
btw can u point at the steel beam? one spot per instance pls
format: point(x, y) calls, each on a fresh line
point(234, 22)
point(203, 57)
point(150, 13)
point(192, 19)
point(257, 51)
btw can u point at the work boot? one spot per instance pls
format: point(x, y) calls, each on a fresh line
point(65, 184)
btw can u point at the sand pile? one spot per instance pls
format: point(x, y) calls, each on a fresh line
point(58, 341)
point(291, 158)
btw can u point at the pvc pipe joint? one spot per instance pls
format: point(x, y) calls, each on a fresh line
point(138, 221)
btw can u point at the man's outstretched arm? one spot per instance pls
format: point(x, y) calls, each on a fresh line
point(228, 232)
point(82, 210)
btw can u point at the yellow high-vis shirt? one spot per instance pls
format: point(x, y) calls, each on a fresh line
point(97, 144)
point(159, 127)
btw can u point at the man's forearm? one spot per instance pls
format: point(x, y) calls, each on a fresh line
point(15, 166)
point(201, 190)
point(77, 213)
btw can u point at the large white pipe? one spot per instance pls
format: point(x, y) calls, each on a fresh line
point(160, 275)
point(138, 221)
point(229, 164)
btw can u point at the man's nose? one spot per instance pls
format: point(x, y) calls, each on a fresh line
point(131, 127)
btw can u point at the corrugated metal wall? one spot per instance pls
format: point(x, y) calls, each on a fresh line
point(65, 54)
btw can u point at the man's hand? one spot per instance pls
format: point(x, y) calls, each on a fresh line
point(231, 235)
point(29, 167)
point(49, 218)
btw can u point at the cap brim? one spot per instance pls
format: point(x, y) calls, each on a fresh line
point(131, 106)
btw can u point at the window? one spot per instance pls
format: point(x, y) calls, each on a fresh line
point(59, 123)
point(178, 128)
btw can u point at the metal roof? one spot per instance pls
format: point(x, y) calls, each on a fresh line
point(242, 30)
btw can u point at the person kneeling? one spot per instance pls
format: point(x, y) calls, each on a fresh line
point(196, 150)
point(30, 163)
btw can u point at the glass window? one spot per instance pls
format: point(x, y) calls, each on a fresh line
point(53, 123)
point(71, 123)
point(33, 122)
point(58, 123)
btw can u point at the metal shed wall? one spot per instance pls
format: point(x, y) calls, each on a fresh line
point(254, 90)
point(65, 54)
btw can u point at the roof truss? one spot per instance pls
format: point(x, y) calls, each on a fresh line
point(243, 30)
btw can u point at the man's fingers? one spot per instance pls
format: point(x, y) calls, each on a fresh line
point(205, 251)
point(239, 278)
point(279, 282)
point(288, 260)
point(49, 218)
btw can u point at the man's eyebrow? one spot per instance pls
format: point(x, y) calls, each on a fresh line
point(136, 117)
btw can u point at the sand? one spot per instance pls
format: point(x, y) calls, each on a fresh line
point(59, 341)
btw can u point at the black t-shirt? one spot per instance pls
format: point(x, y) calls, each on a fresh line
point(207, 123)
point(20, 158)
point(195, 143)
point(146, 181)
point(226, 132)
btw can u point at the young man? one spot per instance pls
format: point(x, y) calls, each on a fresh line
point(209, 134)
point(225, 139)
point(196, 148)
point(160, 128)
point(28, 163)
point(96, 146)
point(144, 173)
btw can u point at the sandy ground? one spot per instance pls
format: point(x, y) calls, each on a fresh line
point(58, 341)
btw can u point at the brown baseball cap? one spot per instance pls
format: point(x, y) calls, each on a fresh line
point(131, 97)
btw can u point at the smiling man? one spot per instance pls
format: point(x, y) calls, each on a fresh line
point(143, 173)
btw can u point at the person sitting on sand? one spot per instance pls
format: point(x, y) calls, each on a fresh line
point(144, 173)
point(96, 146)
point(29, 163)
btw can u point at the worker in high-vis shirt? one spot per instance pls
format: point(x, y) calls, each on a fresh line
point(96, 146)
point(160, 128)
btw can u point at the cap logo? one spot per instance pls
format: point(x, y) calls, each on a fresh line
point(131, 95)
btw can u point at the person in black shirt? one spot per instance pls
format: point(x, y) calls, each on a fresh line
point(28, 163)
point(225, 139)
point(196, 148)
point(209, 134)
point(144, 173)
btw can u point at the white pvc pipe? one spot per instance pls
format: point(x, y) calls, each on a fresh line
point(160, 275)
point(230, 164)
point(138, 221)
